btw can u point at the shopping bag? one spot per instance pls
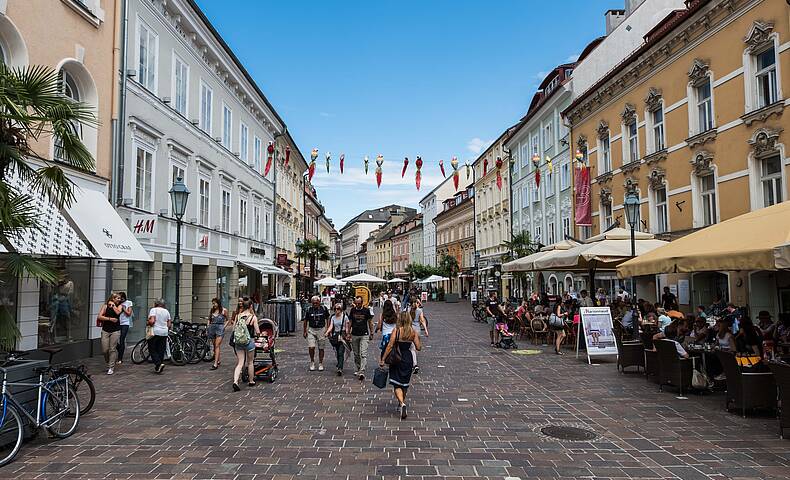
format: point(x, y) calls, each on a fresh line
point(380, 376)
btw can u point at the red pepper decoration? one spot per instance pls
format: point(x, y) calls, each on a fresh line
point(379, 163)
point(270, 151)
point(405, 165)
point(485, 166)
point(311, 170)
point(287, 155)
point(537, 178)
point(418, 177)
point(342, 161)
point(441, 167)
point(499, 173)
point(454, 164)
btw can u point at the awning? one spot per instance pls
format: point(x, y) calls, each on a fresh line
point(601, 251)
point(103, 228)
point(265, 269)
point(526, 264)
point(364, 278)
point(758, 240)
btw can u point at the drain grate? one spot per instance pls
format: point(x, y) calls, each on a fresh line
point(568, 433)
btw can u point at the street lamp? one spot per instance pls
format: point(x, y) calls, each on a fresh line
point(179, 193)
point(298, 267)
point(632, 217)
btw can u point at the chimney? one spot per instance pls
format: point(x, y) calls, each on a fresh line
point(631, 5)
point(613, 19)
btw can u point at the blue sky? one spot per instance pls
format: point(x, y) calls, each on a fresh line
point(400, 78)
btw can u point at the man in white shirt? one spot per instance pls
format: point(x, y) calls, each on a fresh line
point(160, 321)
point(125, 321)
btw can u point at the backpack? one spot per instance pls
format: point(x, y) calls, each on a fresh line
point(241, 335)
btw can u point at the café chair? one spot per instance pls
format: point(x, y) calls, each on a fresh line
point(746, 390)
point(539, 330)
point(781, 373)
point(629, 354)
point(673, 371)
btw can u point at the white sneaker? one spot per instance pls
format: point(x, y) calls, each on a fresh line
point(110, 371)
point(312, 366)
point(320, 367)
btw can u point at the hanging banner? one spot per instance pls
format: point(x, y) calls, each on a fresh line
point(583, 206)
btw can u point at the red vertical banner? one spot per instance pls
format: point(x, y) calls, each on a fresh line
point(583, 213)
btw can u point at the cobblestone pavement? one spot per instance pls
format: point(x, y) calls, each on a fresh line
point(475, 412)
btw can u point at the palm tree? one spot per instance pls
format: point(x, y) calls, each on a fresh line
point(34, 110)
point(448, 267)
point(313, 251)
point(519, 246)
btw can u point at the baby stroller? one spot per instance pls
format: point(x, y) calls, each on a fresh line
point(505, 337)
point(264, 363)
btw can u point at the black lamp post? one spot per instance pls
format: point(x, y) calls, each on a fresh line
point(632, 217)
point(298, 267)
point(179, 193)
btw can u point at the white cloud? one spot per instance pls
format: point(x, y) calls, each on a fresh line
point(477, 145)
point(572, 58)
point(326, 114)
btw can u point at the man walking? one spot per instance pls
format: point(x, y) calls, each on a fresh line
point(494, 312)
point(314, 323)
point(361, 329)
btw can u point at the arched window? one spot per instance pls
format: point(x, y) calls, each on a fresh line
point(13, 51)
point(77, 84)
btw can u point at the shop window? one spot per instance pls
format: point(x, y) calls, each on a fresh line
point(8, 293)
point(169, 286)
point(64, 308)
point(137, 292)
point(771, 180)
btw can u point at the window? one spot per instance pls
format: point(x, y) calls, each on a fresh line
point(180, 86)
point(548, 135)
point(525, 196)
point(243, 217)
point(267, 224)
point(538, 232)
point(70, 90)
point(565, 176)
point(536, 194)
point(566, 227)
point(708, 193)
point(606, 215)
point(206, 106)
point(143, 179)
point(244, 137)
point(766, 77)
point(661, 210)
point(657, 117)
point(771, 179)
point(704, 107)
point(257, 152)
point(177, 172)
point(534, 145)
point(205, 189)
point(225, 227)
point(606, 155)
point(633, 142)
point(550, 234)
point(549, 184)
point(147, 52)
point(227, 125)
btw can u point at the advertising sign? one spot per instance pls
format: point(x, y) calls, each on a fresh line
point(598, 331)
point(364, 292)
point(282, 259)
point(424, 297)
point(143, 226)
point(583, 205)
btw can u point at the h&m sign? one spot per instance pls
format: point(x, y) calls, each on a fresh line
point(144, 226)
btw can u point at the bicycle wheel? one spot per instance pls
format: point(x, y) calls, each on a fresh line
point(140, 352)
point(82, 385)
point(62, 402)
point(208, 353)
point(201, 347)
point(190, 350)
point(10, 434)
point(176, 351)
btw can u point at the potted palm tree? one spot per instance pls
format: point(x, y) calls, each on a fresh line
point(313, 251)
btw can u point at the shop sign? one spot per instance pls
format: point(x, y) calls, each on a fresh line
point(257, 251)
point(282, 259)
point(144, 226)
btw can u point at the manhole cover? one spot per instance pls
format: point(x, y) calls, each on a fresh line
point(568, 433)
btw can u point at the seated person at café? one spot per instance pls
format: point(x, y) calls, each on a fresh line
point(782, 333)
point(699, 333)
point(724, 338)
point(682, 353)
point(748, 339)
point(676, 330)
point(663, 319)
point(701, 312)
point(766, 324)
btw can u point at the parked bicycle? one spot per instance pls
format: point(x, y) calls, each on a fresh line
point(57, 409)
point(178, 351)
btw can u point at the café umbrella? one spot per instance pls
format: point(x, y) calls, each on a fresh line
point(526, 264)
point(364, 278)
point(329, 282)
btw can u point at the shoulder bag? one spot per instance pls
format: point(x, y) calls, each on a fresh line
point(393, 358)
point(556, 322)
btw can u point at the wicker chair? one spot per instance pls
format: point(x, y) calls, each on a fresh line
point(539, 329)
point(781, 373)
point(674, 371)
point(629, 354)
point(746, 390)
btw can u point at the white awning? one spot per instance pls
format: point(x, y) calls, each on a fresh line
point(103, 228)
point(265, 269)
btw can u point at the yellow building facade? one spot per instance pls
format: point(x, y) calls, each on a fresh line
point(693, 122)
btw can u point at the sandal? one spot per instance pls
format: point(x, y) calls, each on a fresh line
point(214, 367)
point(251, 384)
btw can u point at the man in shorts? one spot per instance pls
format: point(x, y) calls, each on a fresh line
point(314, 323)
point(493, 312)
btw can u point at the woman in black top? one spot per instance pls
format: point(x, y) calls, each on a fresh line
point(563, 312)
point(110, 330)
point(748, 340)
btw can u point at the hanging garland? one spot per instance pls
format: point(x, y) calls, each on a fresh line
point(366, 161)
point(485, 166)
point(418, 176)
point(342, 161)
point(580, 159)
point(328, 159)
point(454, 164)
point(287, 155)
point(441, 167)
point(379, 163)
point(499, 173)
point(405, 165)
point(269, 156)
point(549, 165)
point(468, 170)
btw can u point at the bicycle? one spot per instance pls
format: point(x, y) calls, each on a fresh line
point(78, 376)
point(178, 354)
point(57, 410)
point(196, 333)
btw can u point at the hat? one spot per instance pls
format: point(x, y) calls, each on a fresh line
point(764, 314)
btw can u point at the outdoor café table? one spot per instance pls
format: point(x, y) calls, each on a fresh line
point(701, 352)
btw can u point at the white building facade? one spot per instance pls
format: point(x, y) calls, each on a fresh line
point(430, 206)
point(192, 111)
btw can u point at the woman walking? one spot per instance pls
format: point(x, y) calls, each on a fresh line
point(402, 339)
point(563, 313)
point(217, 320)
point(245, 351)
point(419, 324)
point(336, 333)
point(109, 315)
point(387, 322)
point(160, 322)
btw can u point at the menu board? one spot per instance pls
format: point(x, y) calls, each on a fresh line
point(598, 331)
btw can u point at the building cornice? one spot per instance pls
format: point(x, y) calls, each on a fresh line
point(678, 36)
